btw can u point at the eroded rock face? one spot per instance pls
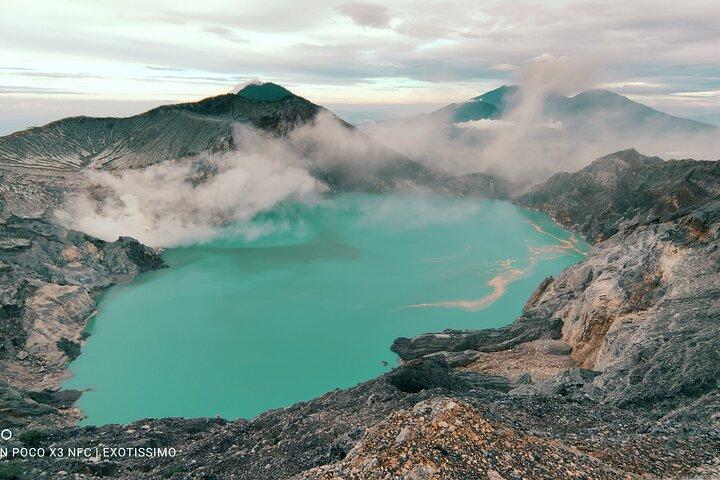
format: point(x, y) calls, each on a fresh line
point(649, 316)
point(643, 309)
point(55, 312)
point(525, 329)
point(47, 287)
point(449, 439)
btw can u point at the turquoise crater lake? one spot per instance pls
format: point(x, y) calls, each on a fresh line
point(306, 299)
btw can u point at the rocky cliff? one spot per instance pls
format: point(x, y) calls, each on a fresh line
point(48, 280)
point(624, 186)
point(49, 277)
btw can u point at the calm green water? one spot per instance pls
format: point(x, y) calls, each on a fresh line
point(238, 326)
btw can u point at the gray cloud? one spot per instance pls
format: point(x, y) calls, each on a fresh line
point(29, 73)
point(366, 14)
point(23, 90)
point(225, 33)
point(638, 44)
point(480, 37)
point(504, 67)
point(189, 79)
point(268, 16)
point(165, 69)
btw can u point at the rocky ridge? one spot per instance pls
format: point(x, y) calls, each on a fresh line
point(164, 133)
point(67, 148)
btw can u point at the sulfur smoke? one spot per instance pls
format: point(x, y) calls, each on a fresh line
point(530, 142)
point(192, 200)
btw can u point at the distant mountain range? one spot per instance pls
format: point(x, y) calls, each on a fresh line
point(526, 136)
point(711, 118)
point(615, 112)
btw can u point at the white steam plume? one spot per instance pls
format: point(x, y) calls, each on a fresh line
point(180, 202)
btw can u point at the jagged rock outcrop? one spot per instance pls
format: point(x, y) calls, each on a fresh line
point(525, 329)
point(622, 186)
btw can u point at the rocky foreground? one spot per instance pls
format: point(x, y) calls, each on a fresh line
point(611, 371)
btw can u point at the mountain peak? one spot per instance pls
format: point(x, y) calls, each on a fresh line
point(498, 96)
point(629, 158)
point(600, 97)
point(600, 92)
point(264, 92)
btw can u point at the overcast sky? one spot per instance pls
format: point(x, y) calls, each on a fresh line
point(362, 59)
